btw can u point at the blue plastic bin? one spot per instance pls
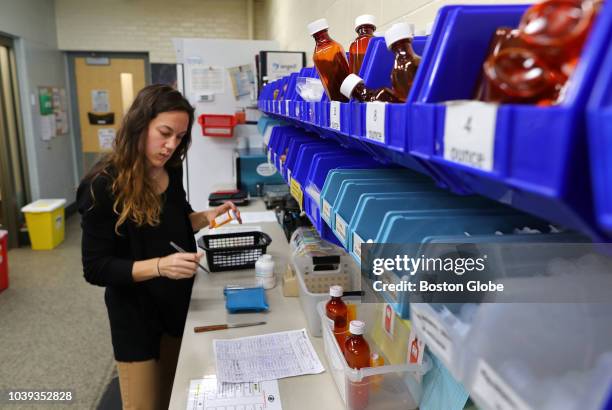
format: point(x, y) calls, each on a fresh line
point(372, 207)
point(539, 158)
point(413, 228)
point(599, 118)
point(331, 187)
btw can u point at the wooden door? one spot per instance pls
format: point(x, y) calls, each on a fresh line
point(105, 88)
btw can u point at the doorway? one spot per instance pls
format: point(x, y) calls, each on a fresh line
point(14, 182)
point(103, 86)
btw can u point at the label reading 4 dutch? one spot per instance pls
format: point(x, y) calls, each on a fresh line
point(375, 121)
point(469, 133)
point(334, 115)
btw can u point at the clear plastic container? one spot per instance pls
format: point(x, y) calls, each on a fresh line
point(313, 286)
point(396, 384)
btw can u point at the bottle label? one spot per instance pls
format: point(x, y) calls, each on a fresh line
point(491, 389)
point(326, 211)
point(341, 228)
point(469, 133)
point(375, 121)
point(357, 241)
point(433, 333)
point(334, 115)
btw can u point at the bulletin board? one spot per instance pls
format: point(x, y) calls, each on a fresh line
point(53, 112)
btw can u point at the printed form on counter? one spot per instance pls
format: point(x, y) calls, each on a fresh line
point(266, 357)
point(209, 394)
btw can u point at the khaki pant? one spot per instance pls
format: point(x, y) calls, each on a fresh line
point(147, 385)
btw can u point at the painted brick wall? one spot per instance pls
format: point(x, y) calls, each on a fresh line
point(146, 25)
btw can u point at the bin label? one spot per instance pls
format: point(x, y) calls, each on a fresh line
point(357, 241)
point(334, 115)
point(287, 107)
point(432, 331)
point(58, 222)
point(469, 133)
point(341, 228)
point(296, 191)
point(326, 211)
point(375, 121)
point(297, 109)
point(494, 391)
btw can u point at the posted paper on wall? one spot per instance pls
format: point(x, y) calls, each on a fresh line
point(209, 394)
point(266, 357)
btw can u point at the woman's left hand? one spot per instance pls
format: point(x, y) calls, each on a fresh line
point(213, 213)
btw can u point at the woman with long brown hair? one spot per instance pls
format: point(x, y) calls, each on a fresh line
point(133, 204)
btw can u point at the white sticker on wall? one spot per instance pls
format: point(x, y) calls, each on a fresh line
point(334, 115)
point(494, 391)
point(375, 121)
point(469, 133)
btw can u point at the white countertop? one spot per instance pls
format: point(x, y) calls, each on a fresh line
point(207, 307)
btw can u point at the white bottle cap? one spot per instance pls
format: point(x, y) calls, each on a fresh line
point(357, 327)
point(365, 19)
point(336, 291)
point(349, 84)
point(398, 31)
point(266, 257)
point(317, 25)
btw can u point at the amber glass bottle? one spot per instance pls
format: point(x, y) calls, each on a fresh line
point(365, 25)
point(353, 87)
point(336, 310)
point(329, 59)
point(557, 30)
point(357, 355)
point(399, 40)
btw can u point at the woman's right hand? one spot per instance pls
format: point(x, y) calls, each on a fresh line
point(180, 265)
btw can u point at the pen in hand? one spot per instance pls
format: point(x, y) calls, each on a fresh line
point(179, 249)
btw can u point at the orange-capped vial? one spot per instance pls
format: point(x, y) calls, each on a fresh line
point(365, 25)
point(222, 219)
point(329, 59)
point(399, 40)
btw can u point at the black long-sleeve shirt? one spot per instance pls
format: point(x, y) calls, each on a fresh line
point(139, 312)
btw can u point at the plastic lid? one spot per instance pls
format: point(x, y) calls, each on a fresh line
point(349, 83)
point(365, 19)
point(357, 327)
point(317, 25)
point(266, 257)
point(44, 205)
point(336, 291)
point(398, 31)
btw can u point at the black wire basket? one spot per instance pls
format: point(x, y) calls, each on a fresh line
point(231, 251)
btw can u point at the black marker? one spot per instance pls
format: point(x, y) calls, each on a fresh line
point(179, 249)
